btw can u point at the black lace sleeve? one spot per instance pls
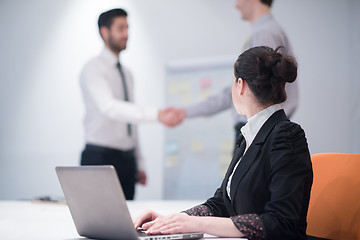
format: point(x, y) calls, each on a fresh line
point(199, 210)
point(250, 225)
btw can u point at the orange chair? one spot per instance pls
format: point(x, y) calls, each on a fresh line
point(334, 208)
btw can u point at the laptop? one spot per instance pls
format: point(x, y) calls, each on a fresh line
point(98, 206)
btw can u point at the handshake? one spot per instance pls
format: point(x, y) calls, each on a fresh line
point(171, 116)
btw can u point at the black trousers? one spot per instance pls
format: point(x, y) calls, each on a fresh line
point(123, 161)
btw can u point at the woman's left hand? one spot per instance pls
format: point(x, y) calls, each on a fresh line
point(171, 224)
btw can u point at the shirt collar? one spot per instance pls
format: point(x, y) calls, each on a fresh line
point(109, 56)
point(252, 127)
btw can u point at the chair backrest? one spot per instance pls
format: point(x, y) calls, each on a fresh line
point(334, 208)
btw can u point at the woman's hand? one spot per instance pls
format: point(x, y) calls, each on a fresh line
point(146, 216)
point(154, 223)
point(171, 224)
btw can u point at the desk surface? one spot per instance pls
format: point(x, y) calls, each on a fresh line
point(32, 220)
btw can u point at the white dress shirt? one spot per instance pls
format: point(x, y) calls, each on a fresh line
point(107, 113)
point(250, 130)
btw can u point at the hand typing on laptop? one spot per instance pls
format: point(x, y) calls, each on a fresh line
point(154, 223)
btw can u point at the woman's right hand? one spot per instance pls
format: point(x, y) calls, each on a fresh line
point(146, 216)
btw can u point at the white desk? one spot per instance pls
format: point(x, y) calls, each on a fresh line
point(52, 221)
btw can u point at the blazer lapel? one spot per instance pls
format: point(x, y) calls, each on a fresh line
point(254, 149)
point(240, 148)
point(243, 167)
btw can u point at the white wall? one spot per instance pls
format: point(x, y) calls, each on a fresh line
point(320, 33)
point(354, 18)
point(44, 45)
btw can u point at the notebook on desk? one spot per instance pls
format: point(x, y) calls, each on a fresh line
point(98, 206)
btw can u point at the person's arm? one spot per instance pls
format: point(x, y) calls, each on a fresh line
point(212, 207)
point(183, 223)
point(212, 105)
point(96, 88)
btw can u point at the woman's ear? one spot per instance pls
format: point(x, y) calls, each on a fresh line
point(241, 84)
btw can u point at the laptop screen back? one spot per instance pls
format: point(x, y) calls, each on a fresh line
point(96, 201)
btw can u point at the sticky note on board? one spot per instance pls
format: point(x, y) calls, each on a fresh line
point(197, 146)
point(186, 98)
point(205, 93)
point(171, 161)
point(178, 87)
point(181, 90)
point(226, 146)
point(205, 82)
point(172, 147)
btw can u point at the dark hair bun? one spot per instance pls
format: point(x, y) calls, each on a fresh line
point(286, 69)
point(277, 67)
point(266, 71)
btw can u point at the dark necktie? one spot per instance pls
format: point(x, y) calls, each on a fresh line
point(126, 95)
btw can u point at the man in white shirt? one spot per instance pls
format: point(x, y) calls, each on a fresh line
point(111, 116)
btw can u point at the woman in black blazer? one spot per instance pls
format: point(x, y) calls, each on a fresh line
point(266, 189)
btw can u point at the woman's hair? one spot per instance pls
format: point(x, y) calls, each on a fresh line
point(266, 71)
